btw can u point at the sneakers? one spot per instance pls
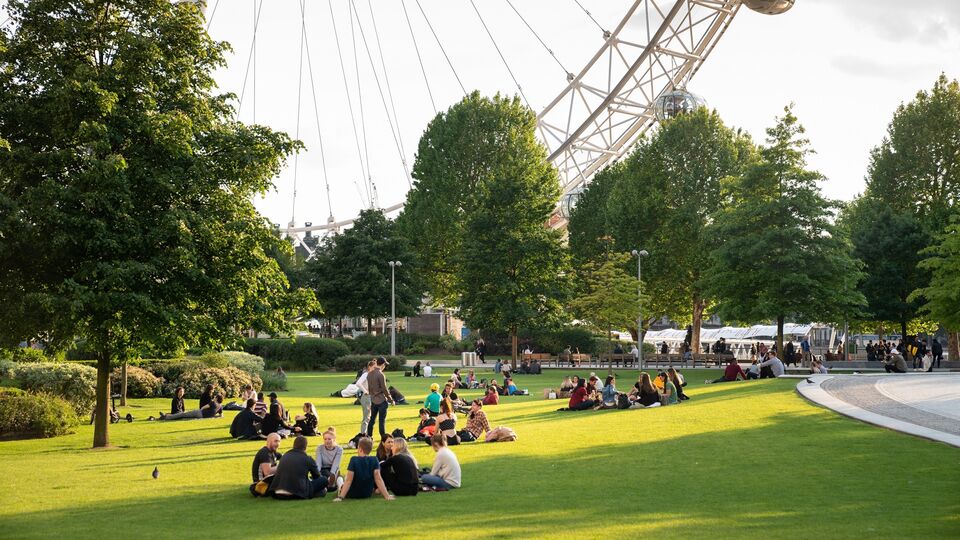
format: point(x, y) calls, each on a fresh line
point(352, 445)
point(339, 482)
point(708, 381)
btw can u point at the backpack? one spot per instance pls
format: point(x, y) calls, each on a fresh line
point(501, 434)
point(623, 402)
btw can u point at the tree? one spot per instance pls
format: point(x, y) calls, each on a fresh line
point(778, 254)
point(942, 297)
point(889, 244)
point(606, 296)
point(350, 274)
point(458, 154)
point(663, 203)
point(510, 270)
point(125, 198)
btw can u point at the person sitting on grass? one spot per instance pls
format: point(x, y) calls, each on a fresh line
point(753, 370)
point(566, 387)
point(670, 393)
point(428, 370)
point(248, 393)
point(445, 473)
point(274, 400)
point(772, 367)
point(211, 409)
point(609, 393)
point(398, 398)
point(207, 396)
point(400, 470)
point(176, 404)
point(492, 397)
point(678, 383)
point(731, 373)
point(298, 476)
point(432, 401)
point(645, 394)
point(578, 398)
point(384, 448)
point(306, 423)
point(455, 379)
point(363, 475)
point(329, 455)
point(260, 409)
point(246, 424)
point(447, 422)
point(273, 423)
point(510, 387)
point(477, 424)
point(471, 381)
point(265, 462)
point(426, 428)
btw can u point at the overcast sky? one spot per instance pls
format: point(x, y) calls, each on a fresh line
point(846, 64)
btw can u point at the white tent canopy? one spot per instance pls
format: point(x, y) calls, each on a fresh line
point(756, 332)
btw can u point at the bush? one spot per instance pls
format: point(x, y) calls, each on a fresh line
point(272, 381)
point(214, 360)
point(193, 376)
point(353, 363)
point(302, 354)
point(6, 391)
point(417, 348)
point(27, 354)
point(74, 383)
point(40, 415)
point(140, 382)
point(245, 362)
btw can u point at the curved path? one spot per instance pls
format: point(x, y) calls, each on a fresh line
point(922, 404)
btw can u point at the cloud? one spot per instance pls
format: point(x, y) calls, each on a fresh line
point(924, 22)
point(865, 66)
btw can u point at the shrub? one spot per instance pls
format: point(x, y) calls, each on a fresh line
point(6, 369)
point(74, 383)
point(140, 382)
point(301, 354)
point(194, 376)
point(40, 415)
point(417, 348)
point(214, 360)
point(245, 361)
point(354, 362)
point(272, 381)
point(7, 391)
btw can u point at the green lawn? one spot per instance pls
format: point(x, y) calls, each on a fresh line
point(744, 459)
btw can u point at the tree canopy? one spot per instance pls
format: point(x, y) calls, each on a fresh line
point(126, 212)
point(942, 296)
point(605, 295)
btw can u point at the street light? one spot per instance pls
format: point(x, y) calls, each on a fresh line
point(640, 255)
point(393, 306)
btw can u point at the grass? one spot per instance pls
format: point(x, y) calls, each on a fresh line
point(743, 459)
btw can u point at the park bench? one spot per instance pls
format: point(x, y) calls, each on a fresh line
point(616, 358)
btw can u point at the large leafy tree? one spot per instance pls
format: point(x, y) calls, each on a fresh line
point(125, 196)
point(605, 295)
point(350, 274)
point(588, 232)
point(460, 152)
point(778, 254)
point(942, 296)
point(663, 203)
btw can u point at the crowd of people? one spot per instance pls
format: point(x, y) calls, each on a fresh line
point(912, 350)
point(588, 394)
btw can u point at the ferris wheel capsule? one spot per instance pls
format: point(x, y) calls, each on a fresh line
point(569, 201)
point(769, 7)
point(676, 102)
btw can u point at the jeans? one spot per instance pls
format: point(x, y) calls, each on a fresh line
point(466, 436)
point(365, 405)
point(378, 410)
point(892, 369)
point(318, 486)
point(435, 481)
point(196, 413)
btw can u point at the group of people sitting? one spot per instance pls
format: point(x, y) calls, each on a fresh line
point(259, 420)
point(770, 368)
point(392, 472)
point(665, 389)
point(211, 405)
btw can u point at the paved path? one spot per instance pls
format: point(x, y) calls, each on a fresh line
point(926, 405)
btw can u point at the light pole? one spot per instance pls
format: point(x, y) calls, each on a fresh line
point(393, 306)
point(640, 255)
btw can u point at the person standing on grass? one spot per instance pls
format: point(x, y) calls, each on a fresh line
point(445, 473)
point(380, 398)
point(363, 385)
point(363, 475)
point(477, 424)
point(298, 476)
point(730, 374)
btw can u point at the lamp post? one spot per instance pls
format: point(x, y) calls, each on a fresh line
point(640, 255)
point(393, 306)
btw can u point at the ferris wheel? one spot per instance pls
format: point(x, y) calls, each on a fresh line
point(638, 76)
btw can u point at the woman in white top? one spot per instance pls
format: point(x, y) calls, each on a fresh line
point(445, 473)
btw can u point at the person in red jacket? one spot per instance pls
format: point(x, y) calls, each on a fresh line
point(492, 397)
point(578, 399)
point(731, 373)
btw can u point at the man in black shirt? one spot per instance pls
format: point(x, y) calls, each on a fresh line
point(298, 476)
point(176, 405)
point(244, 425)
point(265, 462)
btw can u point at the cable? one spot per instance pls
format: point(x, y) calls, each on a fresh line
point(243, 91)
point(534, 32)
point(397, 138)
point(419, 59)
point(602, 29)
point(449, 63)
point(363, 122)
point(497, 47)
point(213, 13)
point(296, 157)
point(316, 114)
point(346, 88)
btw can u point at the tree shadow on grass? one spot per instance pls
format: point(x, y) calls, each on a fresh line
point(791, 475)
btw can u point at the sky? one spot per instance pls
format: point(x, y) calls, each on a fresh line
point(845, 64)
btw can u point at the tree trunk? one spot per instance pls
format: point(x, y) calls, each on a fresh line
point(698, 306)
point(953, 346)
point(513, 349)
point(903, 339)
point(780, 336)
point(123, 384)
point(101, 424)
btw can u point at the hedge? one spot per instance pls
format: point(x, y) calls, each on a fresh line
point(140, 382)
point(38, 415)
point(74, 383)
point(354, 362)
point(305, 353)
